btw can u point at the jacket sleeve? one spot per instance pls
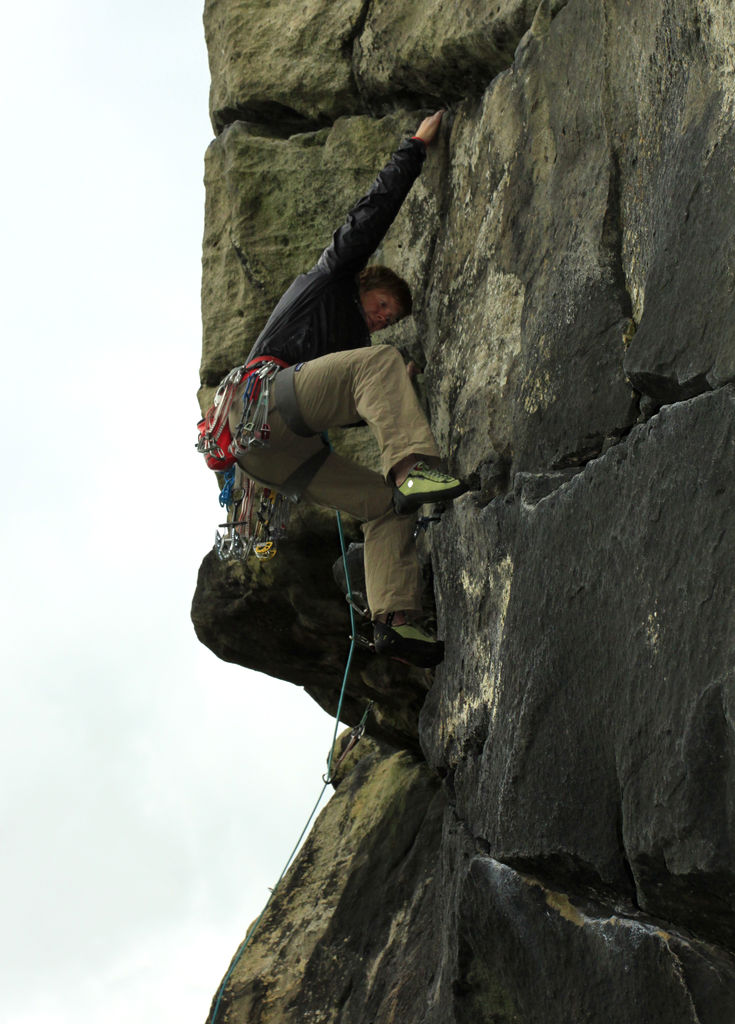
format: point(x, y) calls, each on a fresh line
point(367, 222)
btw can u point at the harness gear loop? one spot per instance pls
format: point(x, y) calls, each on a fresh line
point(215, 441)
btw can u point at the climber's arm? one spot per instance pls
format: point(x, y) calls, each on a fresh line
point(354, 243)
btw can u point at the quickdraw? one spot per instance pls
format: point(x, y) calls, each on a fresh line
point(423, 523)
point(244, 533)
point(214, 437)
point(253, 428)
point(353, 739)
point(247, 531)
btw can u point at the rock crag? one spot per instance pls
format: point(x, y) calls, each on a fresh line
point(543, 829)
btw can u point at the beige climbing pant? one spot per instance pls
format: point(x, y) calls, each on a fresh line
point(369, 384)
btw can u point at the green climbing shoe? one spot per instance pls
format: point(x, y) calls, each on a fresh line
point(407, 643)
point(424, 485)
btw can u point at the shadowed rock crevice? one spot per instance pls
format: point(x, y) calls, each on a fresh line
point(506, 919)
point(348, 44)
point(269, 119)
point(612, 235)
point(664, 390)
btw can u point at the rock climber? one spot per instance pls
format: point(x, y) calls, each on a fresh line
point(320, 330)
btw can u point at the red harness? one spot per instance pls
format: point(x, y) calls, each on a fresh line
point(215, 437)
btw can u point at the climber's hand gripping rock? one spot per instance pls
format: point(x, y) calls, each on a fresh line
point(428, 128)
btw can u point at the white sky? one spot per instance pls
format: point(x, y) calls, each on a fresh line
point(150, 792)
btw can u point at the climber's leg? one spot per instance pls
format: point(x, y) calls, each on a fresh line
point(407, 642)
point(393, 578)
point(392, 571)
point(369, 384)
point(372, 384)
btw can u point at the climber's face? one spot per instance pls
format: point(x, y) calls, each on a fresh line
point(381, 308)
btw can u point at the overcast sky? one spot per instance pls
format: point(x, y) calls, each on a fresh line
point(150, 792)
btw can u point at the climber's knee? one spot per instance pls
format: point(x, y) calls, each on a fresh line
point(388, 354)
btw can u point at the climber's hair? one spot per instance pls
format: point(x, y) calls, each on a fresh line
point(377, 276)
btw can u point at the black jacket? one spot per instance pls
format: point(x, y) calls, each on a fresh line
point(321, 311)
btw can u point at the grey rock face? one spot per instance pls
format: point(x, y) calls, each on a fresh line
point(295, 67)
point(571, 246)
point(624, 969)
point(591, 740)
point(273, 61)
point(438, 52)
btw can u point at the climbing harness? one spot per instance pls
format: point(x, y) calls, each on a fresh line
point(252, 527)
point(257, 515)
point(354, 738)
point(215, 437)
point(288, 405)
point(215, 441)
